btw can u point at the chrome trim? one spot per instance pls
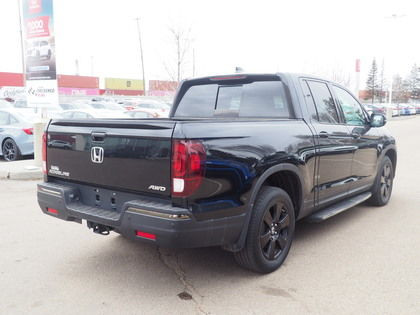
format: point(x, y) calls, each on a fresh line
point(49, 191)
point(159, 214)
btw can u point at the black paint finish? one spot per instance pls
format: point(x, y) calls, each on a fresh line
point(327, 160)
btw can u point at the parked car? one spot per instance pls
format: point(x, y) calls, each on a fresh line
point(5, 104)
point(141, 113)
point(40, 49)
point(240, 159)
point(73, 106)
point(92, 114)
point(406, 109)
point(105, 106)
point(16, 134)
point(161, 109)
point(375, 108)
point(368, 108)
point(412, 109)
point(20, 103)
point(417, 108)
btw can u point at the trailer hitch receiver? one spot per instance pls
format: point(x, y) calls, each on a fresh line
point(99, 228)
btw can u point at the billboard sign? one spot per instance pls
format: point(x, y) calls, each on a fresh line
point(39, 39)
point(39, 42)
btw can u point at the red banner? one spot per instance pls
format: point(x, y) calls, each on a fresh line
point(38, 27)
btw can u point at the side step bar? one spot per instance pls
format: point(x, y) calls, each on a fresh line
point(337, 208)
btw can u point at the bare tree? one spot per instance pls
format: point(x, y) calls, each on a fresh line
point(181, 41)
point(341, 77)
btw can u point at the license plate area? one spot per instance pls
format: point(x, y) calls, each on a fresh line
point(102, 198)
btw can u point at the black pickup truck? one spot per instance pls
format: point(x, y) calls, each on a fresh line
point(240, 159)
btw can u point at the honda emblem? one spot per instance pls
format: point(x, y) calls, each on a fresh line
point(97, 155)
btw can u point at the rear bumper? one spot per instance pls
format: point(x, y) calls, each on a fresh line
point(172, 226)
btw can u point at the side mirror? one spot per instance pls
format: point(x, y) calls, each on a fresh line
point(377, 120)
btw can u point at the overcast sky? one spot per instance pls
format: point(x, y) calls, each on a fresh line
point(260, 36)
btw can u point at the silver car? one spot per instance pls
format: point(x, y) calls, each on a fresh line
point(16, 135)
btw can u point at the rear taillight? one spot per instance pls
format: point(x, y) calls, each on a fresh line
point(28, 131)
point(146, 235)
point(53, 211)
point(188, 161)
point(44, 153)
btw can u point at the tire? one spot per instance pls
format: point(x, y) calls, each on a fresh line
point(267, 245)
point(382, 190)
point(10, 150)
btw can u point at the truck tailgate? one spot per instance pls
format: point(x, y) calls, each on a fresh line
point(132, 155)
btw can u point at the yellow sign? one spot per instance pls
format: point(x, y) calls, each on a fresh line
point(123, 84)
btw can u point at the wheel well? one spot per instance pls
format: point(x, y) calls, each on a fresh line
point(393, 157)
point(289, 182)
point(4, 140)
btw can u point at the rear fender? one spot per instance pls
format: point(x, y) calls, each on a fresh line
point(254, 193)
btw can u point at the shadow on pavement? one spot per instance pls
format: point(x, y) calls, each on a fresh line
point(140, 263)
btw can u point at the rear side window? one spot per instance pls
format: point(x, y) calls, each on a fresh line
point(4, 118)
point(256, 99)
point(324, 102)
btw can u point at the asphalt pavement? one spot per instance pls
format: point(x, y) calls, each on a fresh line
point(363, 261)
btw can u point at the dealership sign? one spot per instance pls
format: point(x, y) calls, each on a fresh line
point(13, 92)
point(42, 93)
point(39, 39)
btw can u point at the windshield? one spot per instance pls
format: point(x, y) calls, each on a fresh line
point(257, 99)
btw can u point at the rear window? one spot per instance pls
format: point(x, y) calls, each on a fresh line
point(256, 99)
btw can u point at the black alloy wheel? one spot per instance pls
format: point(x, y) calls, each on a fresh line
point(381, 191)
point(386, 181)
point(10, 150)
point(270, 231)
point(274, 231)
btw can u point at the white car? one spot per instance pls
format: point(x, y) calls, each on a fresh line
point(160, 109)
point(40, 49)
point(92, 114)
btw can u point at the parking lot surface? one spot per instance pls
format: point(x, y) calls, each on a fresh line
point(364, 261)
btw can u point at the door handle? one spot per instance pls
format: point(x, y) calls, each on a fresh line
point(323, 134)
point(98, 136)
point(356, 135)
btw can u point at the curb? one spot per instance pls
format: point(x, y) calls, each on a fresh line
point(21, 175)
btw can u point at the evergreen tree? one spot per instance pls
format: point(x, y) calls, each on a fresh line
point(372, 84)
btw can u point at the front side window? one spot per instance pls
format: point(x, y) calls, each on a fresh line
point(324, 102)
point(260, 99)
point(353, 113)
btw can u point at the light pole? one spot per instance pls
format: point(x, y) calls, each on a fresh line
point(21, 44)
point(141, 55)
